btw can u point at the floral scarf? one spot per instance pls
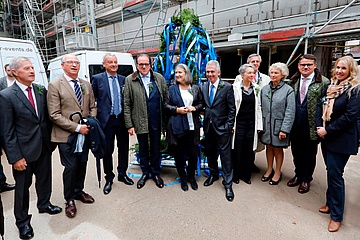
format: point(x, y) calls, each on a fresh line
point(334, 90)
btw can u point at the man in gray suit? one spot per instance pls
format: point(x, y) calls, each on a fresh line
point(26, 131)
point(8, 80)
point(219, 121)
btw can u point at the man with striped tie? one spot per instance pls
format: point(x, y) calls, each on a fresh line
point(67, 95)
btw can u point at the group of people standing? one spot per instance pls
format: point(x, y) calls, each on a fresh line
point(238, 120)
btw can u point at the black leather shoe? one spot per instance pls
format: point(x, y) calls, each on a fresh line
point(4, 187)
point(158, 181)
point(51, 209)
point(210, 180)
point(26, 232)
point(229, 193)
point(247, 181)
point(107, 188)
point(142, 181)
point(184, 185)
point(125, 179)
point(237, 181)
point(193, 183)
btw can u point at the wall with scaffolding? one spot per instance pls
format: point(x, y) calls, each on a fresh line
point(237, 26)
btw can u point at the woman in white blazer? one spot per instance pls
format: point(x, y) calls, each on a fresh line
point(248, 123)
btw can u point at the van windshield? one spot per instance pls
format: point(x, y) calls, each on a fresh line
point(124, 70)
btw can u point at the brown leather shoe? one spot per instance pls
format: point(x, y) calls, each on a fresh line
point(324, 209)
point(333, 226)
point(85, 198)
point(304, 187)
point(293, 182)
point(70, 209)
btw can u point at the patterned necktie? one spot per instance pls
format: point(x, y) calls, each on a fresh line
point(212, 87)
point(77, 91)
point(303, 89)
point(30, 97)
point(116, 98)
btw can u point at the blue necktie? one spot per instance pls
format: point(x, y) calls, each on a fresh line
point(212, 87)
point(116, 98)
point(77, 91)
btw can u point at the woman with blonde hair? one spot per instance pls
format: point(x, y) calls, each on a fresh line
point(336, 125)
point(278, 111)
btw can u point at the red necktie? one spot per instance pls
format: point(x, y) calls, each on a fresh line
point(30, 97)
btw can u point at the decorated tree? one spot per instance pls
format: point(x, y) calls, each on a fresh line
point(184, 41)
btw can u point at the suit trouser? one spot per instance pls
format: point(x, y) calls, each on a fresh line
point(2, 175)
point(116, 127)
point(215, 145)
point(335, 193)
point(74, 171)
point(23, 179)
point(186, 148)
point(304, 153)
point(150, 163)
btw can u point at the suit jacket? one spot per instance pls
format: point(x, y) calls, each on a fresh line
point(25, 133)
point(101, 88)
point(342, 135)
point(3, 83)
point(62, 102)
point(178, 123)
point(222, 112)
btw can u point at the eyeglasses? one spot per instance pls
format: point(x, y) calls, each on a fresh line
point(143, 64)
point(306, 64)
point(72, 62)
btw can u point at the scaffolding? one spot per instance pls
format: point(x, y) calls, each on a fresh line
point(62, 26)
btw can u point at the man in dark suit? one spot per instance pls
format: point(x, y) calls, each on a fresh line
point(108, 90)
point(219, 121)
point(144, 101)
point(26, 129)
point(69, 94)
point(5, 82)
point(309, 85)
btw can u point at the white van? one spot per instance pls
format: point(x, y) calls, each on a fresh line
point(10, 48)
point(91, 64)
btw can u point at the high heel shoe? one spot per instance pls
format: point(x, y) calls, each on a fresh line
point(272, 182)
point(265, 179)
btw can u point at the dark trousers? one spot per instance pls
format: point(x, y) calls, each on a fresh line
point(116, 127)
point(243, 150)
point(215, 145)
point(304, 153)
point(335, 193)
point(23, 180)
point(2, 175)
point(74, 169)
point(186, 149)
point(150, 159)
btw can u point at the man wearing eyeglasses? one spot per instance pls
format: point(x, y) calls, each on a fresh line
point(144, 98)
point(66, 95)
point(308, 84)
point(108, 90)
